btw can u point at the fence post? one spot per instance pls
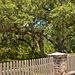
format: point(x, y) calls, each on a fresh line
point(0, 68)
point(60, 63)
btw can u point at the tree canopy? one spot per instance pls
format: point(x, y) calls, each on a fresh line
point(29, 26)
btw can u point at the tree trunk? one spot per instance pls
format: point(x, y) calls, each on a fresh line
point(60, 43)
point(41, 45)
point(60, 47)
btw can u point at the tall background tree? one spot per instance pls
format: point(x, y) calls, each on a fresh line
point(27, 26)
point(59, 18)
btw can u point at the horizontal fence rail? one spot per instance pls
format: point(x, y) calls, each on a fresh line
point(71, 62)
point(43, 66)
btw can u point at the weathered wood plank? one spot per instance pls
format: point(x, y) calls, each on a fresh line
point(39, 68)
point(4, 68)
point(25, 67)
point(0, 68)
point(7, 68)
point(17, 67)
point(10, 68)
point(45, 66)
point(34, 67)
point(30, 68)
point(71, 62)
point(22, 67)
point(14, 67)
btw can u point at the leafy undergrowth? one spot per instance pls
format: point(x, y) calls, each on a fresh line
point(71, 53)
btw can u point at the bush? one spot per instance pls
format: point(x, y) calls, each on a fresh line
point(12, 54)
point(8, 53)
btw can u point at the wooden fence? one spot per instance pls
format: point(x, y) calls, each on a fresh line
point(71, 62)
point(43, 66)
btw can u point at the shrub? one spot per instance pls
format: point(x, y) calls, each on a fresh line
point(8, 53)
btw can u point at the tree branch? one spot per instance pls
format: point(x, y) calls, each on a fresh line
point(26, 42)
point(50, 40)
